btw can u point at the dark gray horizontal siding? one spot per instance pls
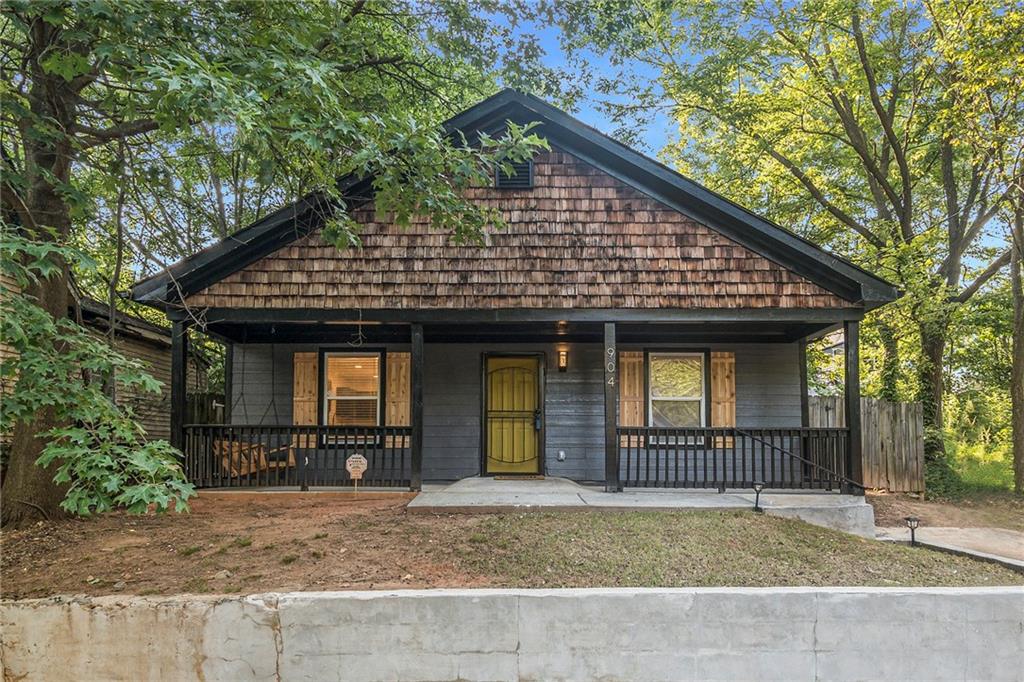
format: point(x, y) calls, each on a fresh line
point(767, 388)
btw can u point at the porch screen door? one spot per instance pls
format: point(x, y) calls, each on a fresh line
point(513, 415)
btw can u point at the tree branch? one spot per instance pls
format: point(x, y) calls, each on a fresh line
point(887, 128)
point(994, 267)
point(101, 136)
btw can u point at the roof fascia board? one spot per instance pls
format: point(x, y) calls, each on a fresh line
point(513, 315)
point(230, 254)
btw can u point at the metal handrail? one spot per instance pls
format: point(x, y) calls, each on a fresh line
point(836, 474)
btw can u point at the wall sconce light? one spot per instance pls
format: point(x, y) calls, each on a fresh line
point(563, 360)
point(912, 523)
point(758, 487)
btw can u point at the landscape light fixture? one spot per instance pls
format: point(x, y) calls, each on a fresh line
point(563, 360)
point(912, 523)
point(758, 487)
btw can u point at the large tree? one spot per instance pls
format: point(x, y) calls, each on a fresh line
point(845, 119)
point(303, 92)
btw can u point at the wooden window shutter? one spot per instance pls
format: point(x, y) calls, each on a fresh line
point(304, 388)
point(723, 388)
point(399, 384)
point(631, 388)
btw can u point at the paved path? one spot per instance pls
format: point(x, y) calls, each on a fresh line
point(997, 544)
point(848, 513)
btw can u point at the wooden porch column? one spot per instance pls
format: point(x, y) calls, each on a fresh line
point(851, 347)
point(611, 403)
point(416, 411)
point(179, 379)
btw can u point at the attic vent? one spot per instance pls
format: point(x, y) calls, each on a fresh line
point(520, 178)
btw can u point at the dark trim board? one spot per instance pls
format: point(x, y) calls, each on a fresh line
point(214, 316)
point(542, 364)
point(629, 166)
point(668, 333)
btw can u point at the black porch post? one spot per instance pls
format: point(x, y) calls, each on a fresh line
point(851, 347)
point(416, 478)
point(611, 400)
point(229, 379)
point(805, 413)
point(179, 378)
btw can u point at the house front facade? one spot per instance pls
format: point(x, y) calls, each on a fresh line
point(627, 326)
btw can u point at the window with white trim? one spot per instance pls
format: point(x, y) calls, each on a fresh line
point(676, 390)
point(351, 389)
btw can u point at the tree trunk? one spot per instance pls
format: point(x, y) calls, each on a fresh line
point(29, 492)
point(1017, 366)
point(931, 385)
point(890, 363)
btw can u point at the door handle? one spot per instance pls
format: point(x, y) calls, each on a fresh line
point(536, 420)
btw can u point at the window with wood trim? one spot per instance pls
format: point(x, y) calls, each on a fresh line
point(676, 390)
point(351, 389)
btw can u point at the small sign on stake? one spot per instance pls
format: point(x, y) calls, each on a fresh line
point(356, 465)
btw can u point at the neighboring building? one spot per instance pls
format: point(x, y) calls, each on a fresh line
point(629, 326)
point(142, 340)
point(136, 338)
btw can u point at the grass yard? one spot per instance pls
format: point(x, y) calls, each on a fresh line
point(326, 543)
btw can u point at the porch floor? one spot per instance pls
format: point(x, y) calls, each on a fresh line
point(849, 513)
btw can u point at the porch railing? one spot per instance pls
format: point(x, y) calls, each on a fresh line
point(733, 457)
point(261, 456)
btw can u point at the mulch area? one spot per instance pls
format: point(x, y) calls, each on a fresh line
point(981, 510)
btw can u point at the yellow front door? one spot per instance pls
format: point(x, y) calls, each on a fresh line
point(513, 416)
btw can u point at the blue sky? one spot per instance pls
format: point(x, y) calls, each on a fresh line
point(661, 130)
point(653, 137)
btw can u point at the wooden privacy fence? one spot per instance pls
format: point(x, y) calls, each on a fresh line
point(892, 435)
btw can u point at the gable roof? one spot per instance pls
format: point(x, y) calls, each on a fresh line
point(635, 170)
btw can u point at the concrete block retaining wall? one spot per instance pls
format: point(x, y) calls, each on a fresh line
point(608, 634)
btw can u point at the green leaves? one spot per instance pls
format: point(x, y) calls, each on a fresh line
point(101, 452)
point(66, 65)
point(424, 173)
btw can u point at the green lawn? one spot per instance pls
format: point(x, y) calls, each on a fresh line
point(701, 548)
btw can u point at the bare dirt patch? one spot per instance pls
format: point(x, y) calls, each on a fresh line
point(284, 543)
point(981, 510)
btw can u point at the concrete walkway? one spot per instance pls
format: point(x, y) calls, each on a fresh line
point(991, 544)
point(848, 513)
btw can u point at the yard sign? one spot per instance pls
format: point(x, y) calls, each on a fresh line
point(355, 465)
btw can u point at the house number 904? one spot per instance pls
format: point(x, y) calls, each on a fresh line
point(609, 367)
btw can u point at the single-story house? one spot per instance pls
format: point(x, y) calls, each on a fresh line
point(628, 326)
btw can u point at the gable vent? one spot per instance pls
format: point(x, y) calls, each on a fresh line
point(520, 178)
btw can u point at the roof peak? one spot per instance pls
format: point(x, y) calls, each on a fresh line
point(591, 145)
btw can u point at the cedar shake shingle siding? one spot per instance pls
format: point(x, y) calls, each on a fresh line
point(579, 239)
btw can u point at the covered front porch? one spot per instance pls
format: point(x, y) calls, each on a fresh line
point(585, 422)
